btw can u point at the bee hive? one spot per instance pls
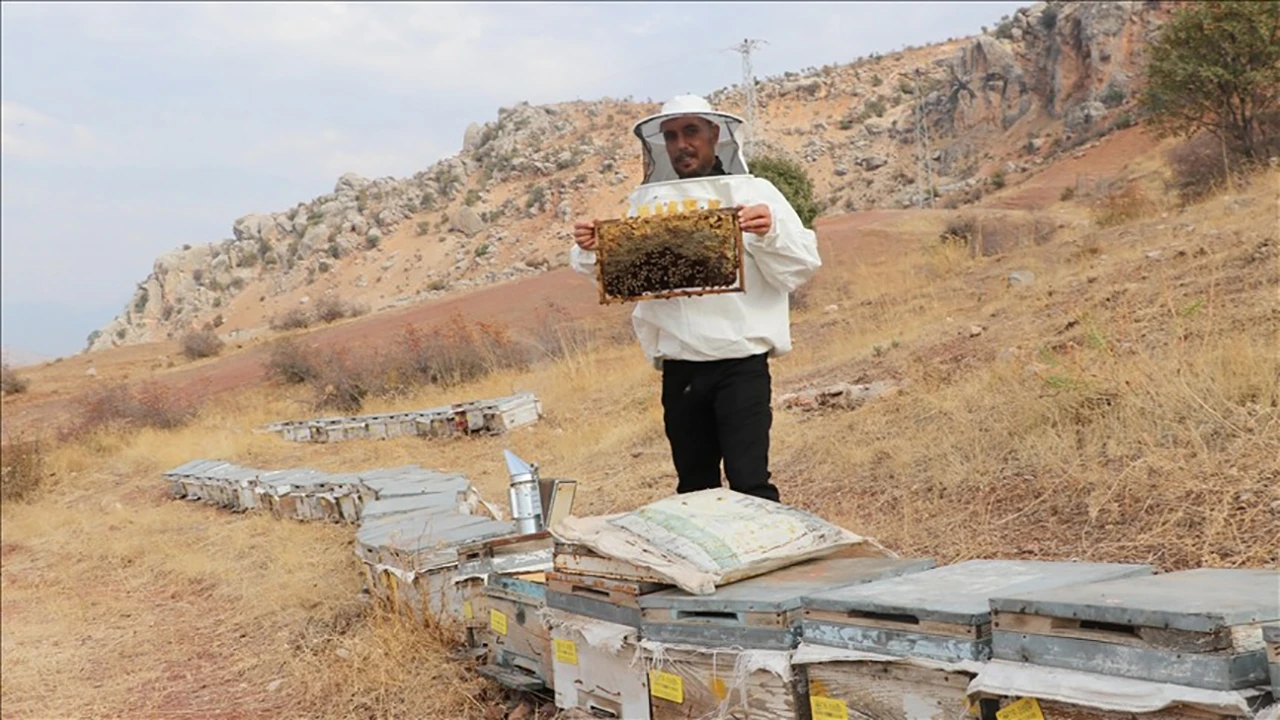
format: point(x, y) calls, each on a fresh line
point(661, 256)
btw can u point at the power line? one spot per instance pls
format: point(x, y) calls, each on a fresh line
point(744, 48)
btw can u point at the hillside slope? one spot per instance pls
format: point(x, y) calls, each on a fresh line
point(951, 120)
point(1124, 405)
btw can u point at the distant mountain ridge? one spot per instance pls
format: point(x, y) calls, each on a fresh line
point(1007, 102)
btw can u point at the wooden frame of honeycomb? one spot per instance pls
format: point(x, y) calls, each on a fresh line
point(697, 252)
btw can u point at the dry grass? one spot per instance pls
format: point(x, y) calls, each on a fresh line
point(1124, 204)
point(293, 319)
point(327, 309)
point(22, 468)
point(991, 234)
point(455, 353)
point(148, 404)
point(11, 383)
point(201, 344)
point(1120, 408)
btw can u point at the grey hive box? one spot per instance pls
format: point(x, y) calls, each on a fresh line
point(600, 598)
point(517, 640)
point(1271, 636)
point(423, 535)
point(506, 555)
point(396, 505)
point(760, 613)
point(1199, 628)
point(943, 613)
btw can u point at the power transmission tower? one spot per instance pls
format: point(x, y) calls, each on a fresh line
point(922, 144)
point(744, 48)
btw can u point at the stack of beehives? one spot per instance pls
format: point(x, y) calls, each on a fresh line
point(846, 635)
point(295, 493)
point(481, 417)
point(617, 626)
point(411, 520)
point(409, 538)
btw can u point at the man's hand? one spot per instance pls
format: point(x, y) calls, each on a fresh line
point(584, 233)
point(756, 219)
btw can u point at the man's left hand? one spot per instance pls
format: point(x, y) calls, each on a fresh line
point(755, 219)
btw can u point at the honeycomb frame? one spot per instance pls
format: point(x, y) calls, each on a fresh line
point(630, 271)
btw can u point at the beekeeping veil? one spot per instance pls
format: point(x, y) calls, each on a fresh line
point(657, 165)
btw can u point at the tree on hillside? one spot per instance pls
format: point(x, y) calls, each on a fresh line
point(792, 181)
point(1216, 67)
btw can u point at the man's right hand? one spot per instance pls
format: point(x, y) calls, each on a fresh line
point(584, 233)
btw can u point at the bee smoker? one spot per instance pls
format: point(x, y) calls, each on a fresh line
point(526, 497)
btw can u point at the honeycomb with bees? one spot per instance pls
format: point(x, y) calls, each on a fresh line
point(698, 252)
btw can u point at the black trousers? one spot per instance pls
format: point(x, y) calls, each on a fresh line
point(720, 411)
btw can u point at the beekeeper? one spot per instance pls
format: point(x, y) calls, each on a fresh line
point(713, 350)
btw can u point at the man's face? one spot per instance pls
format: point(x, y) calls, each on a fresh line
point(691, 144)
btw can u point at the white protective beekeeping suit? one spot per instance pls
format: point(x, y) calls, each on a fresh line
point(729, 325)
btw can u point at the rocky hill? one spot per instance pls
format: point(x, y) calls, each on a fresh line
point(933, 125)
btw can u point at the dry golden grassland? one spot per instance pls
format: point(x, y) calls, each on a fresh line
point(1124, 407)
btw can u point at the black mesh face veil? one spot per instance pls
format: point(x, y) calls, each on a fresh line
point(657, 165)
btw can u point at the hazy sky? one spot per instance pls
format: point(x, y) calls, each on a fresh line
point(130, 129)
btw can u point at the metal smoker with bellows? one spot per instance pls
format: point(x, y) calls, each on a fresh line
point(537, 504)
point(505, 582)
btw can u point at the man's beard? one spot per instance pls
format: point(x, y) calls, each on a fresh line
point(696, 171)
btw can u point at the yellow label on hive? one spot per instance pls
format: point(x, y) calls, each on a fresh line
point(467, 612)
point(718, 689)
point(666, 686)
point(566, 652)
point(825, 708)
point(1024, 709)
point(498, 622)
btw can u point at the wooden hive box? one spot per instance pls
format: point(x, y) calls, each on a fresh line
point(850, 684)
point(183, 479)
point(759, 616)
point(518, 641)
point(592, 673)
point(1271, 636)
point(377, 427)
point(1020, 690)
point(447, 500)
point(509, 413)
point(574, 559)
point(763, 612)
point(194, 484)
point(474, 613)
point(506, 555)
point(694, 682)
point(600, 598)
point(696, 252)
point(943, 613)
point(1199, 628)
point(218, 485)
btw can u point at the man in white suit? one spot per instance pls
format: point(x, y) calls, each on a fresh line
point(714, 350)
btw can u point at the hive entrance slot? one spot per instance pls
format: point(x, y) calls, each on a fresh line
point(604, 708)
point(1112, 628)
point(707, 615)
point(900, 618)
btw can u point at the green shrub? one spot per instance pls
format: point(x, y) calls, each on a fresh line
point(792, 181)
point(1214, 68)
